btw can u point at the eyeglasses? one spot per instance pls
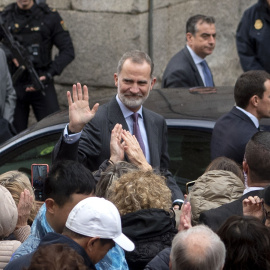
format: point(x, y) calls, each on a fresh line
point(266, 214)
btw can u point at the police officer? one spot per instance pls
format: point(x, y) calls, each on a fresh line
point(253, 37)
point(37, 28)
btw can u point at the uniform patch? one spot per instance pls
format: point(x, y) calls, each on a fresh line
point(63, 25)
point(258, 24)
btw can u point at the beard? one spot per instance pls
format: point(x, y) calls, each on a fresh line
point(132, 101)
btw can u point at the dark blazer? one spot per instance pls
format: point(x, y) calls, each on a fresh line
point(181, 71)
point(231, 134)
point(94, 145)
point(214, 218)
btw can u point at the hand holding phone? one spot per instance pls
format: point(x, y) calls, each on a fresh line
point(38, 174)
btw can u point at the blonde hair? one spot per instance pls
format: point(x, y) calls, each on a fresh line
point(139, 190)
point(15, 182)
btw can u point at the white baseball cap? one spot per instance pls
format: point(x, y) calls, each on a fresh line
point(97, 217)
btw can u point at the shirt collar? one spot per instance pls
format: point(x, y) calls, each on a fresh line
point(249, 189)
point(197, 59)
point(253, 118)
point(126, 112)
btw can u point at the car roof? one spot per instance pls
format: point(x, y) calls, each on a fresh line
point(178, 103)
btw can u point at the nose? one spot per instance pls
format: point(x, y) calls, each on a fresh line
point(134, 88)
point(212, 39)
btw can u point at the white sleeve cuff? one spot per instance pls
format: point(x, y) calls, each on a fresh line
point(71, 138)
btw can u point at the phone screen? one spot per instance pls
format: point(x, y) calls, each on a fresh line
point(189, 186)
point(38, 174)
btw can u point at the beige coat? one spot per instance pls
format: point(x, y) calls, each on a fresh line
point(7, 248)
point(213, 189)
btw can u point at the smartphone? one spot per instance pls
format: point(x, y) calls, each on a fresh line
point(38, 174)
point(189, 186)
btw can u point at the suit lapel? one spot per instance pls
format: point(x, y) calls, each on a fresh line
point(194, 67)
point(115, 115)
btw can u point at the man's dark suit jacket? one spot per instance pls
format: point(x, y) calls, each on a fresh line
point(181, 71)
point(214, 218)
point(93, 148)
point(231, 134)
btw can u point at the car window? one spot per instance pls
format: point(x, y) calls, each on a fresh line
point(35, 151)
point(189, 151)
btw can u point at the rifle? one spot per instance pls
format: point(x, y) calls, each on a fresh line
point(22, 56)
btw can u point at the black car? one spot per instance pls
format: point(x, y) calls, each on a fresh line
point(190, 118)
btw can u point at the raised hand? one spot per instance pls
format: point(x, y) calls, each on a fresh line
point(253, 206)
point(116, 146)
point(185, 217)
point(134, 152)
point(79, 111)
point(24, 208)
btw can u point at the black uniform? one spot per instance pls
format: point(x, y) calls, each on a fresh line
point(253, 37)
point(38, 29)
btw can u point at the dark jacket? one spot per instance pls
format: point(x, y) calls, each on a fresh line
point(161, 261)
point(253, 37)
point(231, 134)
point(51, 238)
point(214, 218)
point(181, 71)
point(151, 230)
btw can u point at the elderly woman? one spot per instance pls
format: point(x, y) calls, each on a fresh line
point(8, 221)
point(143, 200)
point(18, 184)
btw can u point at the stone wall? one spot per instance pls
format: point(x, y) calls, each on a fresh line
point(103, 30)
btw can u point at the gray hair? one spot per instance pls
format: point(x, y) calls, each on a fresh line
point(135, 56)
point(197, 248)
point(191, 26)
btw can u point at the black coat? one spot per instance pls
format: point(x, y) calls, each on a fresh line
point(253, 37)
point(151, 230)
point(214, 218)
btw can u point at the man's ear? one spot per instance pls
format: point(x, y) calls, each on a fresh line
point(189, 37)
point(245, 166)
point(254, 100)
point(116, 79)
point(50, 205)
point(153, 81)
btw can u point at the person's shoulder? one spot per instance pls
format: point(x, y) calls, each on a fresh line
point(153, 114)
point(9, 8)
point(20, 263)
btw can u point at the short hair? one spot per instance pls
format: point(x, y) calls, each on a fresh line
point(66, 178)
point(56, 256)
point(257, 156)
point(250, 83)
point(140, 190)
point(112, 173)
point(197, 248)
point(226, 164)
point(247, 242)
point(16, 182)
point(138, 57)
point(191, 25)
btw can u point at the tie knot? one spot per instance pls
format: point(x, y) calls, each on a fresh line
point(203, 63)
point(135, 117)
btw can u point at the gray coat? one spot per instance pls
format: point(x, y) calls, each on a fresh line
point(7, 92)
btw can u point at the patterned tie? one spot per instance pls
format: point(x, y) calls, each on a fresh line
point(136, 131)
point(207, 74)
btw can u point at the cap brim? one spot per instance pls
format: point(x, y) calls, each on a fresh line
point(124, 242)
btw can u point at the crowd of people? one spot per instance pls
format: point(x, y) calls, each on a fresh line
point(110, 201)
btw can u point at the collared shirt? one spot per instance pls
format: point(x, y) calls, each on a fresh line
point(249, 189)
point(197, 60)
point(253, 118)
point(72, 138)
point(128, 117)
